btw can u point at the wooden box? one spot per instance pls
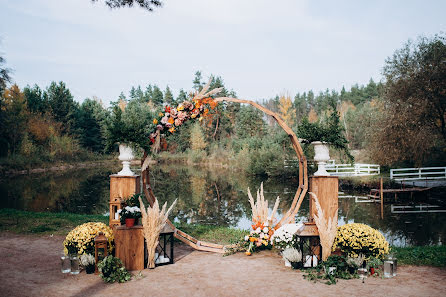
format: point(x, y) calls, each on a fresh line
point(124, 186)
point(129, 246)
point(326, 189)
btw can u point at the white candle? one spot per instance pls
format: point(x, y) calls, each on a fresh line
point(314, 261)
point(116, 216)
point(307, 261)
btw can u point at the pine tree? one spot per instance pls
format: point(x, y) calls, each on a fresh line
point(157, 96)
point(148, 93)
point(182, 96)
point(168, 97)
point(63, 107)
point(197, 81)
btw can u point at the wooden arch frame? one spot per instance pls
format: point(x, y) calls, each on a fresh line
point(287, 217)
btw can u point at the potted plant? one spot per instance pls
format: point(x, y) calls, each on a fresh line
point(129, 215)
point(354, 263)
point(321, 134)
point(129, 125)
point(294, 256)
point(374, 264)
point(87, 261)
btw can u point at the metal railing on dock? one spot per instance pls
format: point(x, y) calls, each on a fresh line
point(357, 169)
point(425, 173)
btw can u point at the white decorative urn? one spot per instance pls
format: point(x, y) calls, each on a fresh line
point(125, 155)
point(321, 156)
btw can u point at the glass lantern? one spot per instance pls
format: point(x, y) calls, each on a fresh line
point(75, 267)
point(100, 249)
point(390, 266)
point(309, 245)
point(164, 250)
point(65, 264)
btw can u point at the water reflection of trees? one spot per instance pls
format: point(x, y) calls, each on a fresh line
point(214, 196)
point(399, 229)
point(81, 191)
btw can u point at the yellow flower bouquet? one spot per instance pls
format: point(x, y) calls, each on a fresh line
point(355, 239)
point(80, 240)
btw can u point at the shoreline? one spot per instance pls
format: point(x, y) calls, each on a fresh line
point(38, 224)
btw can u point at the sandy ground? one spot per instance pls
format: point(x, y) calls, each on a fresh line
point(30, 267)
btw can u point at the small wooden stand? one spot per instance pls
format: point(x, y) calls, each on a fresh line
point(121, 187)
point(326, 189)
point(129, 246)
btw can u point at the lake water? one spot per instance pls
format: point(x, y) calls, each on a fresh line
point(218, 196)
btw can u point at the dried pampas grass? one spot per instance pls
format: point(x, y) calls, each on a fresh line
point(204, 92)
point(327, 229)
point(153, 221)
point(260, 208)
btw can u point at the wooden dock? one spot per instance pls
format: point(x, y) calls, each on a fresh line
point(376, 193)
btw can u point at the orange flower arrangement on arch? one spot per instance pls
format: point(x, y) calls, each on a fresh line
point(173, 117)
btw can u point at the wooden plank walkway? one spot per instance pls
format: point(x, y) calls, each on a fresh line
point(375, 193)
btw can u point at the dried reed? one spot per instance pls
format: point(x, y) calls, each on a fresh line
point(204, 92)
point(153, 221)
point(260, 208)
point(327, 228)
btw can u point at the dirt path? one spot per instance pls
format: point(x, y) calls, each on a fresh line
point(30, 267)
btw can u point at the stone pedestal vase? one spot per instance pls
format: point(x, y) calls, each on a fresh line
point(321, 156)
point(125, 155)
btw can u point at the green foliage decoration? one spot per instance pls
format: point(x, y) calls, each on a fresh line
point(320, 273)
point(112, 270)
point(330, 132)
point(131, 126)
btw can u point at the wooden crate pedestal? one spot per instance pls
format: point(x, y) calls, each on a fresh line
point(121, 187)
point(129, 246)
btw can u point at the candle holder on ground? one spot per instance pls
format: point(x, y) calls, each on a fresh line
point(309, 245)
point(100, 249)
point(164, 251)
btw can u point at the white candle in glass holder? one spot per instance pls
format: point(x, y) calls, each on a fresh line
point(314, 261)
point(307, 261)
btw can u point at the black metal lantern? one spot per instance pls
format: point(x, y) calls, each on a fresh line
point(164, 250)
point(309, 245)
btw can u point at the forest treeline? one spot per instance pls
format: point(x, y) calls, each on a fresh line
point(398, 121)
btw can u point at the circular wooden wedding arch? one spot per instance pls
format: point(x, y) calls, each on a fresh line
point(289, 215)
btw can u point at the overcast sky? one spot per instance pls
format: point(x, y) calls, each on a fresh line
point(260, 48)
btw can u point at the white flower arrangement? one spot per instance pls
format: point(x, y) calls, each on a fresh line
point(292, 255)
point(130, 209)
point(355, 261)
point(284, 236)
point(129, 212)
point(87, 259)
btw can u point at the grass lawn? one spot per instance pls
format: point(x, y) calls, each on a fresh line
point(27, 222)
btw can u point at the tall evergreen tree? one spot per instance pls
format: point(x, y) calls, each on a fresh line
point(168, 96)
point(182, 96)
point(197, 81)
point(157, 96)
point(35, 100)
point(148, 93)
point(63, 107)
point(91, 125)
